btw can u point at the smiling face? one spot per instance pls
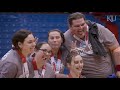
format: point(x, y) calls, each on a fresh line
point(28, 45)
point(76, 64)
point(78, 27)
point(47, 50)
point(43, 54)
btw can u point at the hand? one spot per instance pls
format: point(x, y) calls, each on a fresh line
point(73, 45)
point(36, 40)
point(118, 74)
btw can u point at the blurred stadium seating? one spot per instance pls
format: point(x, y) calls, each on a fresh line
point(38, 23)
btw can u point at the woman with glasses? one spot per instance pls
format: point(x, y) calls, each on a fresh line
point(42, 54)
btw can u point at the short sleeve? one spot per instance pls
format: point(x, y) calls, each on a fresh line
point(107, 36)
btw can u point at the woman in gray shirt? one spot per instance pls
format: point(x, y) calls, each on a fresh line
point(14, 63)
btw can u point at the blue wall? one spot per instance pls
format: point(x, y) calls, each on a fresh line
point(38, 23)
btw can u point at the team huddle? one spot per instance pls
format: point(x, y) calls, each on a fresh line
point(86, 50)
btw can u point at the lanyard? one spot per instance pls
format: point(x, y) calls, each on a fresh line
point(43, 71)
point(25, 65)
point(56, 64)
point(37, 75)
point(25, 70)
point(86, 38)
point(87, 45)
point(36, 70)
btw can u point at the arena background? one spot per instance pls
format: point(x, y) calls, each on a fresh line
point(41, 22)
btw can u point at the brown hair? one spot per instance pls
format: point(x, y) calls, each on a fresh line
point(39, 45)
point(20, 36)
point(74, 16)
point(61, 34)
point(70, 56)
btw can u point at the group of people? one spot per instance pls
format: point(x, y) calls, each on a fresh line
point(86, 50)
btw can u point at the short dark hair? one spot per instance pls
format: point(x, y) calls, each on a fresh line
point(74, 16)
point(20, 36)
point(61, 34)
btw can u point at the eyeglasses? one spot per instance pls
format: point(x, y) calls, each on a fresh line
point(46, 51)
